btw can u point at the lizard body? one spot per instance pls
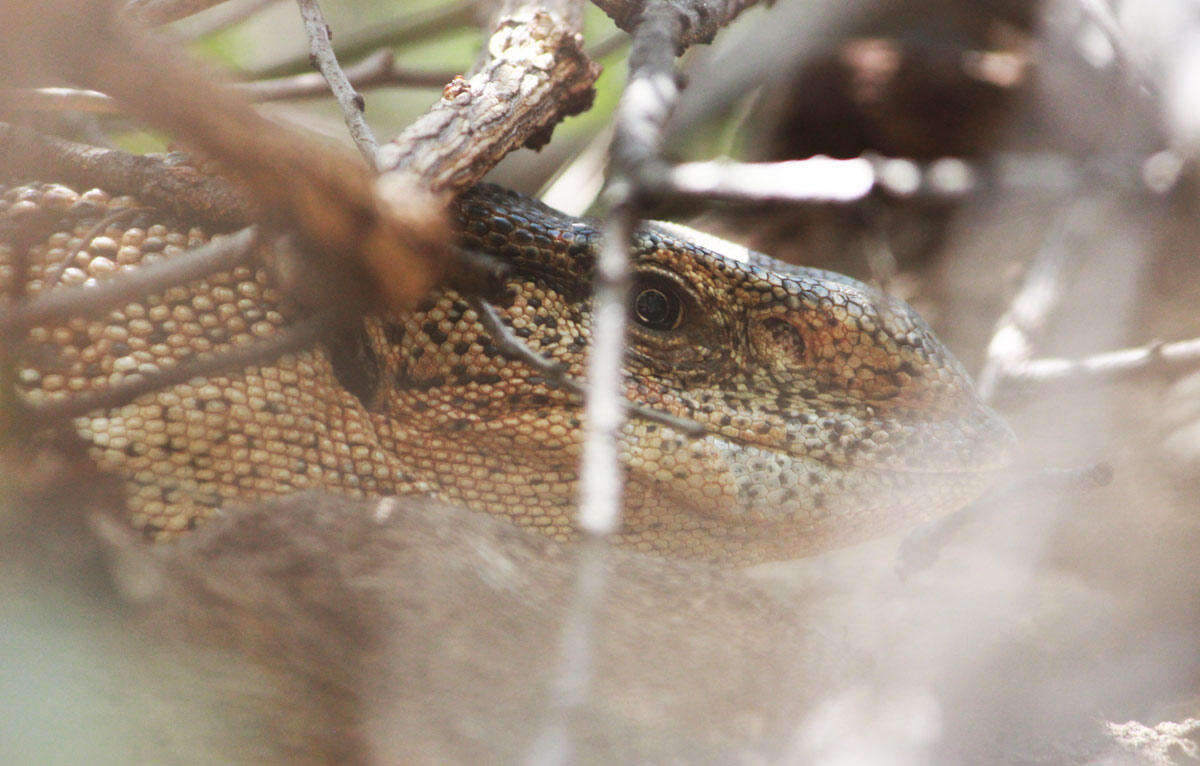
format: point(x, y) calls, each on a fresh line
point(832, 413)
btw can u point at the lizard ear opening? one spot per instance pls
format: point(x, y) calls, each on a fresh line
point(779, 343)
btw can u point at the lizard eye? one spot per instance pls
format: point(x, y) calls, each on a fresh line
point(657, 304)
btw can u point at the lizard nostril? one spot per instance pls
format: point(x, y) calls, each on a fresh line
point(785, 337)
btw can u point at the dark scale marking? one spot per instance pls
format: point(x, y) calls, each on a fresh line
point(393, 333)
point(434, 333)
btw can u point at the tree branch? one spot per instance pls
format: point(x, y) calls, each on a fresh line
point(161, 181)
point(535, 74)
point(700, 19)
point(351, 102)
point(414, 27)
point(377, 70)
point(154, 12)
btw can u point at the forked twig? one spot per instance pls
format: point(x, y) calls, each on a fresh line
point(351, 101)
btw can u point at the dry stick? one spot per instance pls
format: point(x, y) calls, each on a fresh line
point(534, 75)
point(702, 19)
point(817, 180)
point(377, 70)
point(220, 254)
point(637, 141)
point(391, 247)
point(1106, 366)
point(351, 101)
point(97, 229)
point(165, 11)
point(414, 27)
point(1010, 345)
point(155, 180)
point(228, 16)
point(296, 337)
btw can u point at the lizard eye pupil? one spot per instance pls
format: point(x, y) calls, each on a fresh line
point(657, 309)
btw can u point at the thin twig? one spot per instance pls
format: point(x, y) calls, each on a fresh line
point(1010, 345)
point(351, 101)
point(165, 11)
point(819, 179)
point(415, 27)
point(295, 337)
point(155, 180)
point(701, 19)
point(219, 254)
point(572, 679)
point(636, 149)
point(51, 278)
point(377, 70)
point(63, 100)
point(1106, 366)
point(556, 375)
point(228, 16)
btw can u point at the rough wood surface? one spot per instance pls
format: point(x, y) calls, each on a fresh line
point(535, 74)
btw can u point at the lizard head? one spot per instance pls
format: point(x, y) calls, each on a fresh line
point(831, 411)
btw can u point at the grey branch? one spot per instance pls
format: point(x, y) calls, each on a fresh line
point(377, 70)
point(351, 101)
point(414, 27)
point(1157, 356)
point(701, 19)
point(155, 12)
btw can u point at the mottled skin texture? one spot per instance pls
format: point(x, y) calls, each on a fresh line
point(832, 411)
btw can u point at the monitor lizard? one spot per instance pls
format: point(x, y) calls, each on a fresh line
point(831, 412)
